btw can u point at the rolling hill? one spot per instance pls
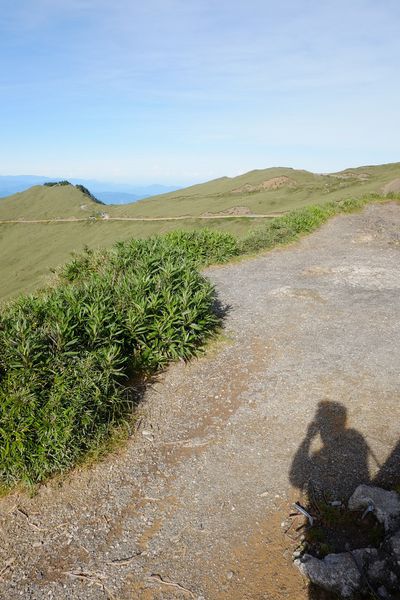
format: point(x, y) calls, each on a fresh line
point(44, 202)
point(266, 191)
point(108, 192)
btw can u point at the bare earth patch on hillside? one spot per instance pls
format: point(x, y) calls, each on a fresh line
point(269, 184)
point(351, 175)
point(192, 506)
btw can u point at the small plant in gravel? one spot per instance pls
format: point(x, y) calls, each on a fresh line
point(337, 529)
point(67, 353)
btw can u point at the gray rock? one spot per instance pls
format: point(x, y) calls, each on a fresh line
point(380, 572)
point(394, 544)
point(386, 505)
point(337, 573)
point(383, 593)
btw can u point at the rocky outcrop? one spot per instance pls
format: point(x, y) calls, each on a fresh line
point(366, 570)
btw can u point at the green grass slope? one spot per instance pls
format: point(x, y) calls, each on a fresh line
point(43, 202)
point(261, 191)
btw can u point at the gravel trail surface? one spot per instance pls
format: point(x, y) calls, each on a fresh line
point(304, 385)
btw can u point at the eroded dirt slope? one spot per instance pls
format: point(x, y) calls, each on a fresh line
point(192, 506)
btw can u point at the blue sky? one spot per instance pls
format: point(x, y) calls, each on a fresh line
point(176, 91)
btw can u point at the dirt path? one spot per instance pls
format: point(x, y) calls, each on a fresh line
point(183, 218)
point(192, 506)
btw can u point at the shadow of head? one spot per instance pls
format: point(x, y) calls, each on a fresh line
point(330, 420)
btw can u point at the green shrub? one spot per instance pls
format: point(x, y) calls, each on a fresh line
point(85, 191)
point(66, 354)
point(57, 183)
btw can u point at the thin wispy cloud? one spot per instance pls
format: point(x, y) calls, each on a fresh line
point(197, 86)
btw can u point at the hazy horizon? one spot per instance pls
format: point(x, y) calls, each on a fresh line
point(147, 184)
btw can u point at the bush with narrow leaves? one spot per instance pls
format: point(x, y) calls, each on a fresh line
point(67, 353)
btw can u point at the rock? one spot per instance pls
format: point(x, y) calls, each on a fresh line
point(386, 505)
point(337, 573)
point(394, 544)
point(380, 572)
point(377, 571)
point(382, 591)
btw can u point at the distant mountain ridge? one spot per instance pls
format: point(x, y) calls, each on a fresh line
point(258, 191)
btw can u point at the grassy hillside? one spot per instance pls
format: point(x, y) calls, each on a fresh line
point(42, 202)
point(265, 191)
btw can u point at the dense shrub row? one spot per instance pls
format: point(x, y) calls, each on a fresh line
point(57, 183)
point(287, 228)
point(85, 191)
point(66, 353)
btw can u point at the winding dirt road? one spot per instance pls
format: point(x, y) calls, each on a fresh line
point(192, 506)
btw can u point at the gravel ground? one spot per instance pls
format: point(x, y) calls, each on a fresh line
point(304, 384)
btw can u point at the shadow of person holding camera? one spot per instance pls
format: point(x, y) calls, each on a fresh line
point(332, 458)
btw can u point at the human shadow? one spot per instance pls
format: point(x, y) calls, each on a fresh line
point(332, 458)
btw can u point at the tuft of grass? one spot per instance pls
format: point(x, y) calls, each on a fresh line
point(67, 353)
